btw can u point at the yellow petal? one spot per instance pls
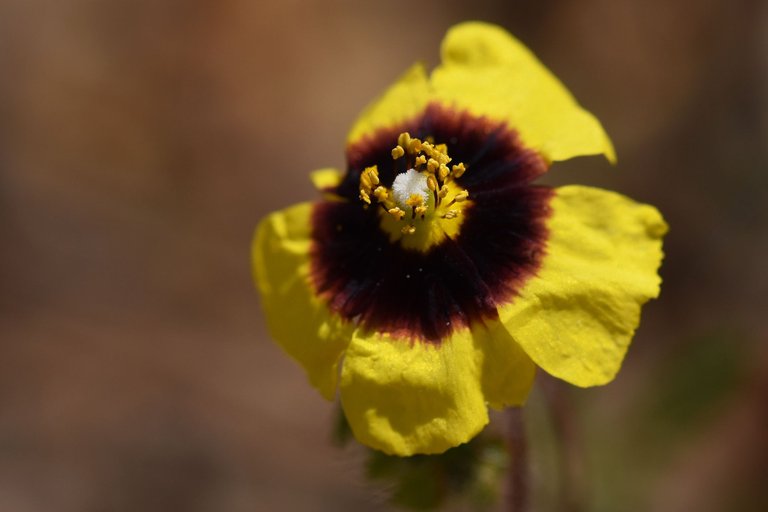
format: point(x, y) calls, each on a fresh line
point(488, 72)
point(402, 101)
point(507, 371)
point(576, 318)
point(406, 398)
point(299, 322)
point(326, 178)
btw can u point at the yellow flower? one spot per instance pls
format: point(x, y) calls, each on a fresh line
point(433, 276)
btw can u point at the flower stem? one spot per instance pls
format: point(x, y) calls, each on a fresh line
point(517, 484)
point(572, 485)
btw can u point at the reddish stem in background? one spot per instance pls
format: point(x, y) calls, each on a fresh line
point(571, 460)
point(517, 449)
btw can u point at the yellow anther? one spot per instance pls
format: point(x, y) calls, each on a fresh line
point(397, 213)
point(420, 210)
point(451, 214)
point(404, 139)
point(443, 172)
point(461, 196)
point(431, 182)
point(432, 165)
point(420, 160)
point(381, 193)
point(458, 170)
point(442, 148)
point(443, 192)
point(369, 178)
point(415, 200)
point(397, 152)
point(408, 230)
point(414, 146)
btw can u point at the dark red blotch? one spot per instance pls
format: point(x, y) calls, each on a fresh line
point(425, 295)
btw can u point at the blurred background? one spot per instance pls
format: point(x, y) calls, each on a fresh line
point(142, 140)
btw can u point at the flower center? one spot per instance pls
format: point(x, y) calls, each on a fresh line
point(425, 203)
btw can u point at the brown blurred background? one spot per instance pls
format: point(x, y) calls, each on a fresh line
point(142, 140)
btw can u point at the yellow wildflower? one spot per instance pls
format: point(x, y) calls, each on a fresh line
point(434, 276)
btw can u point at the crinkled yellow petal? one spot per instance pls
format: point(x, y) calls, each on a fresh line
point(299, 322)
point(576, 317)
point(402, 101)
point(406, 398)
point(488, 72)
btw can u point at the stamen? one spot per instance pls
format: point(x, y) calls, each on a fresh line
point(369, 184)
point(460, 197)
point(421, 188)
point(372, 174)
point(381, 193)
point(443, 172)
point(369, 178)
point(451, 214)
point(397, 213)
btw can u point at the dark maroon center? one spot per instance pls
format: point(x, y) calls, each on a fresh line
point(424, 296)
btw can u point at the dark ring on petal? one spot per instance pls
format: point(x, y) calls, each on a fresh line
point(425, 296)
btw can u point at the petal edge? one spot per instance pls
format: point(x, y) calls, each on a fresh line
point(576, 318)
point(281, 269)
point(490, 73)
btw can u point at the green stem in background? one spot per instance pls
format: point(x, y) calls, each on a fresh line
point(517, 448)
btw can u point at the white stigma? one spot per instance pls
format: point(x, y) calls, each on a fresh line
point(408, 183)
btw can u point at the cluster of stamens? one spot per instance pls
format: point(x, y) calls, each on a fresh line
point(421, 189)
